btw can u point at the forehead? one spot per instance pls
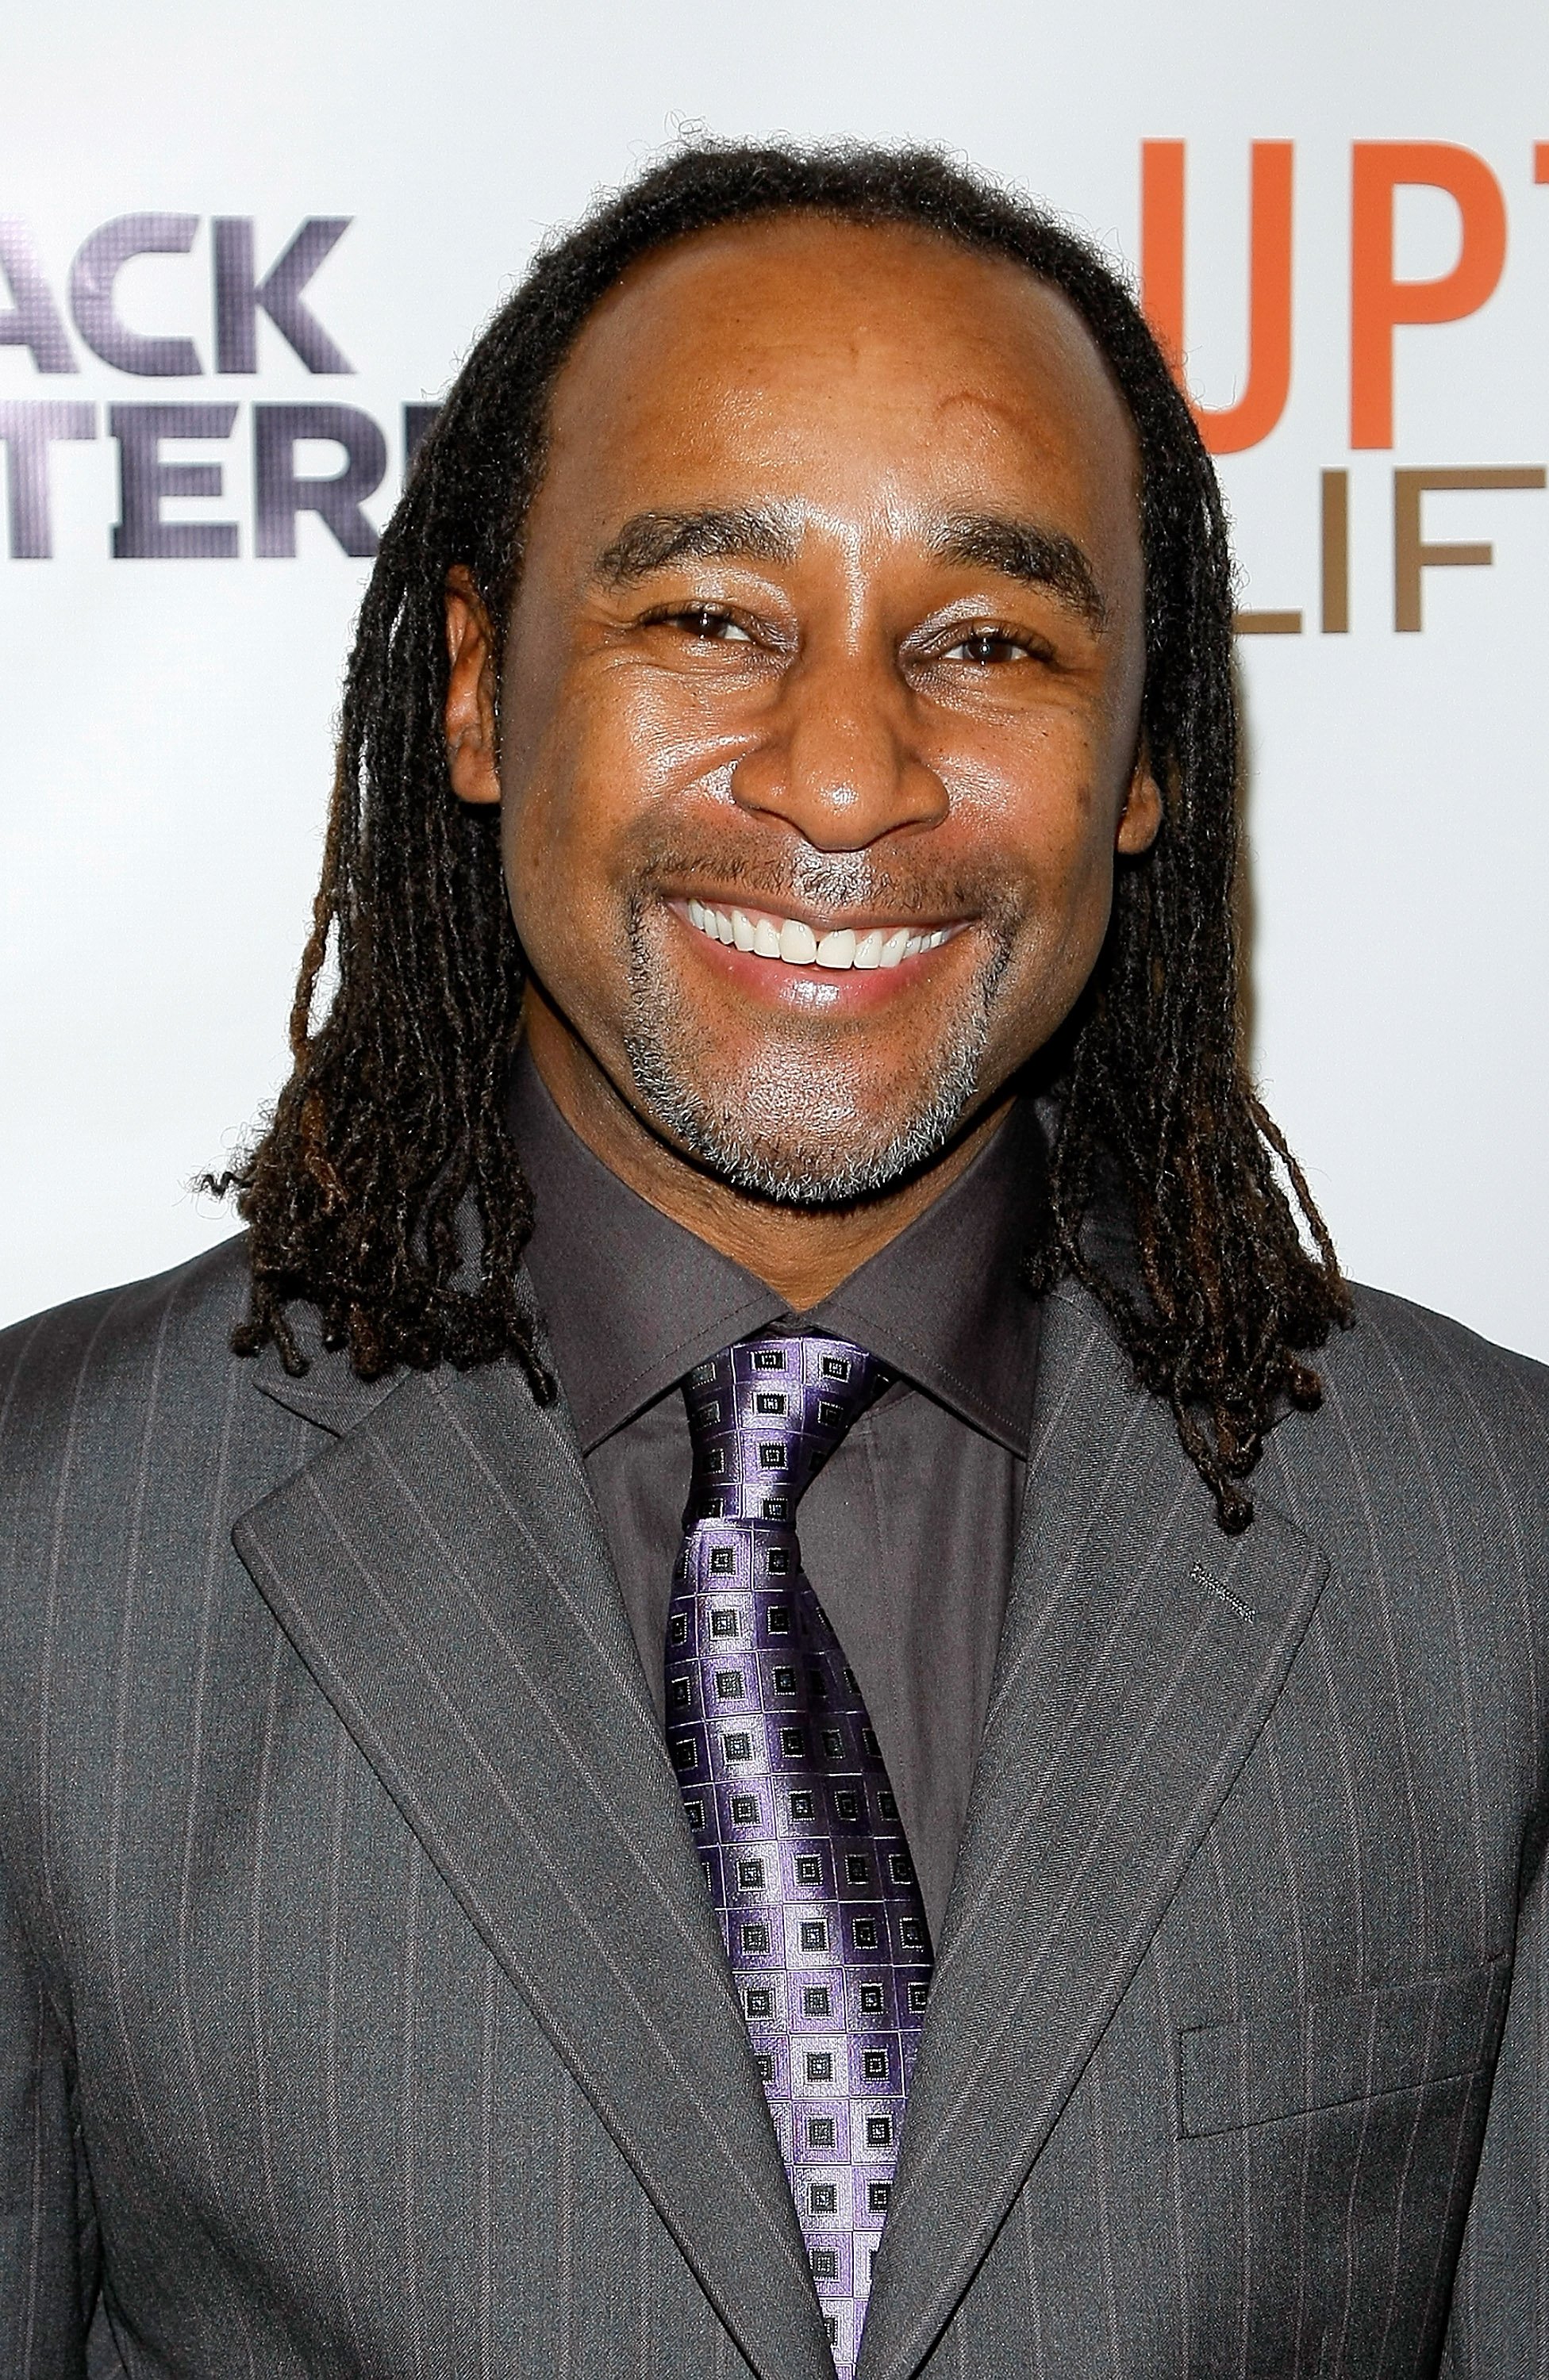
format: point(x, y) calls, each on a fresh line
point(830, 363)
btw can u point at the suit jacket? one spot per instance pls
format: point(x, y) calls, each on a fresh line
point(364, 2013)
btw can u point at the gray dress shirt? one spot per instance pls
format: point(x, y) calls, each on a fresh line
point(909, 1532)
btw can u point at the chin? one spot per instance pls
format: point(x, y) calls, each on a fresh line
point(806, 1115)
point(798, 1144)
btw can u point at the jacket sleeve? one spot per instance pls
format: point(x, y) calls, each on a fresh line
point(48, 2236)
point(1499, 2326)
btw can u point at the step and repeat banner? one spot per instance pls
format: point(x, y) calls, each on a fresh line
point(241, 255)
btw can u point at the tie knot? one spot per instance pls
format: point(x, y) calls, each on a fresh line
point(765, 1416)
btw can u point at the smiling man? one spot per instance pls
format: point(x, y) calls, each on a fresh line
point(825, 1702)
point(812, 797)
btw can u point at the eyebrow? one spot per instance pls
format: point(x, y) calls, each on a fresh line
point(1040, 557)
point(654, 541)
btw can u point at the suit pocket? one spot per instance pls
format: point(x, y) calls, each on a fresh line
point(1330, 2051)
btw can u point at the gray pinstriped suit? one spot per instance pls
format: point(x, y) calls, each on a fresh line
point(363, 2011)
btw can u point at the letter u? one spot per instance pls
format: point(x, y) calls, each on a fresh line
point(1229, 429)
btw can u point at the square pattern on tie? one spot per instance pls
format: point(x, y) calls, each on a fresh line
point(792, 1812)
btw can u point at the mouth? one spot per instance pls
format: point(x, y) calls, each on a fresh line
point(794, 942)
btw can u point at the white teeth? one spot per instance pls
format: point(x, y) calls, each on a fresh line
point(797, 945)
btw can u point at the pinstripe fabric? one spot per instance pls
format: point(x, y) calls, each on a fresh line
point(323, 2052)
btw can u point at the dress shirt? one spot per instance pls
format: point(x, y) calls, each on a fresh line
point(909, 1532)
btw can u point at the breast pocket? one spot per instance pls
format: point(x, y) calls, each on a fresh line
point(1330, 2051)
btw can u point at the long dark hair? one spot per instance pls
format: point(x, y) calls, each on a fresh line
point(391, 1128)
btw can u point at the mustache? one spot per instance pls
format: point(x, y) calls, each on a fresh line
point(838, 880)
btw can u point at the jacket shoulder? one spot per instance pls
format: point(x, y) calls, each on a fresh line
point(1420, 1404)
point(118, 1347)
point(1409, 1342)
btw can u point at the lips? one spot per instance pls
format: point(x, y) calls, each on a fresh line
point(796, 944)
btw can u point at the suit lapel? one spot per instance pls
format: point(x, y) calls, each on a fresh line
point(1142, 1653)
point(439, 1570)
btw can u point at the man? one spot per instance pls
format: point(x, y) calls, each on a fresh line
point(1067, 1899)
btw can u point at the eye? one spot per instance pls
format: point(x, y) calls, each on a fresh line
point(987, 649)
point(706, 625)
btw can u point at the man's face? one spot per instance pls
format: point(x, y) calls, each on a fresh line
point(821, 695)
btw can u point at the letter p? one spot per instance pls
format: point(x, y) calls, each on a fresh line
point(1378, 301)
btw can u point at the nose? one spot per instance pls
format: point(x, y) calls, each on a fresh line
point(839, 761)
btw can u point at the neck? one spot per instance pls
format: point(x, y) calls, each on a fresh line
point(802, 1253)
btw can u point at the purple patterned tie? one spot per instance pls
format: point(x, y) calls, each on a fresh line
point(787, 1796)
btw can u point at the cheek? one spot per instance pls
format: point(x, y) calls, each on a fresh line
point(546, 838)
point(575, 800)
point(1056, 822)
point(1051, 804)
point(555, 780)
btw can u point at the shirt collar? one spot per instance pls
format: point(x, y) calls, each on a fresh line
point(632, 1300)
point(946, 1304)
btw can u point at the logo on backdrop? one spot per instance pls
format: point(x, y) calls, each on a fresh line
point(149, 476)
point(55, 326)
point(1380, 303)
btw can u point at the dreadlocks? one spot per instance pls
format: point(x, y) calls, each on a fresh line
point(391, 1132)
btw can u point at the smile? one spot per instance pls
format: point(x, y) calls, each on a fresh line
point(794, 942)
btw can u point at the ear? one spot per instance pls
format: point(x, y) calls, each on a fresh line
point(1142, 814)
point(468, 719)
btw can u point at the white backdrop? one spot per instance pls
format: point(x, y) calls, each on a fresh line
point(166, 722)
